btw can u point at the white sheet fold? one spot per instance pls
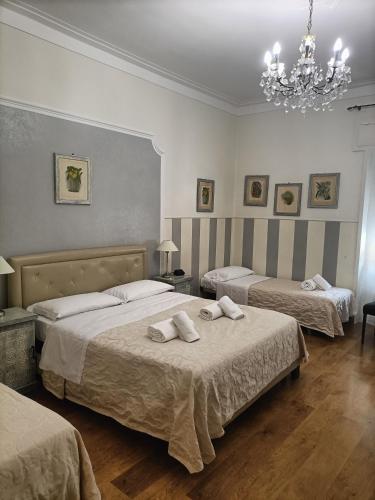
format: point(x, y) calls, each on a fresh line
point(308, 285)
point(64, 350)
point(238, 289)
point(230, 309)
point(211, 312)
point(186, 327)
point(163, 331)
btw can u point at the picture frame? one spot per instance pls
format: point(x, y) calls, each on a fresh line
point(205, 195)
point(256, 190)
point(324, 190)
point(287, 199)
point(72, 179)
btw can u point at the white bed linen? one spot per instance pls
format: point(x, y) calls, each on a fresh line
point(41, 326)
point(343, 299)
point(64, 350)
point(238, 289)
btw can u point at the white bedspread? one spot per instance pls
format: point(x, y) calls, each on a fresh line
point(238, 289)
point(64, 350)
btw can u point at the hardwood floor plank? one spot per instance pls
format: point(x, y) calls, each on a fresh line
point(250, 453)
point(357, 478)
point(333, 446)
point(145, 472)
point(278, 468)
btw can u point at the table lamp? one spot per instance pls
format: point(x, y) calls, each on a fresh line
point(167, 246)
point(4, 269)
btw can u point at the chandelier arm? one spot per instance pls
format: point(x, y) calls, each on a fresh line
point(289, 87)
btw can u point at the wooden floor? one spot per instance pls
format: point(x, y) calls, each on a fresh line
point(311, 438)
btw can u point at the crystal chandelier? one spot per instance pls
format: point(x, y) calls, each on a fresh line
point(307, 87)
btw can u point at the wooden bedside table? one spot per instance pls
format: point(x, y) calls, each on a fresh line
point(17, 349)
point(182, 284)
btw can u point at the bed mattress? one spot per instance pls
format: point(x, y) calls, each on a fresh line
point(180, 392)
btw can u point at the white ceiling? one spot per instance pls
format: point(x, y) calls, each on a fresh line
point(216, 46)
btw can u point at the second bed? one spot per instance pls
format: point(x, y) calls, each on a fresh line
point(320, 310)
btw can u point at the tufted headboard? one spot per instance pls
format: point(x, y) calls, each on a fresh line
point(50, 275)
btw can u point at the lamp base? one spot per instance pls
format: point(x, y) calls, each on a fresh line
point(167, 275)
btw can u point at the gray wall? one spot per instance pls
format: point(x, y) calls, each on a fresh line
point(125, 206)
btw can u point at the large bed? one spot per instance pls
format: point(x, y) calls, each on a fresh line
point(41, 454)
point(323, 311)
point(179, 392)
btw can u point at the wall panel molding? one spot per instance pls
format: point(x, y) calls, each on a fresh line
point(42, 110)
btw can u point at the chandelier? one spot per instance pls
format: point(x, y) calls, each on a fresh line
point(307, 87)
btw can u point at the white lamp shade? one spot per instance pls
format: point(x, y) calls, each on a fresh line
point(167, 246)
point(5, 267)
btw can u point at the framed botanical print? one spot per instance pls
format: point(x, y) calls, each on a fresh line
point(72, 179)
point(287, 199)
point(205, 195)
point(324, 190)
point(256, 190)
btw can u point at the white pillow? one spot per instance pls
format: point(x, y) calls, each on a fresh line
point(73, 304)
point(228, 273)
point(138, 290)
point(321, 282)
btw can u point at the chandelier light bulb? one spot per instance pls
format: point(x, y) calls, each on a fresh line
point(345, 54)
point(268, 58)
point(338, 45)
point(276, 49)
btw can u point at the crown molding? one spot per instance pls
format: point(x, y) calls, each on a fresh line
point(265, 107)
point(32, 21)
point(88, 48)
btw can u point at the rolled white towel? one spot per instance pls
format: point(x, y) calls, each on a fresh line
point(229, 308)
point(163, 331)
point(185, 326)
point(308, 285)
point(321, 282)
point(211, 312)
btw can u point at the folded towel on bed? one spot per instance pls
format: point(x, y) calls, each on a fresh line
point(163, 331)
point(185, 326)
point(308, 285)
point(211, 312)
point(229, 308)
point(321, 282)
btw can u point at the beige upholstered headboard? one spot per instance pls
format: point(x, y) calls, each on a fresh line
point(50, 275)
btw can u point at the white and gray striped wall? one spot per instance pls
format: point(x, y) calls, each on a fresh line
point(294, 249)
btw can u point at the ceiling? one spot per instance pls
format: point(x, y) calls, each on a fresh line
point(216, 46)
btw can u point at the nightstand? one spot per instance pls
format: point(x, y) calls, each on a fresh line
point(182, 284)
point(17, 349)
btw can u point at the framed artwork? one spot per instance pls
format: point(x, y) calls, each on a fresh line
point(72, 179)
point(205, 195)
point(324, 191)
point(256, 190)
point(287, 199)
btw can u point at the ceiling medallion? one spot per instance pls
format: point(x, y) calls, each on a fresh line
point(307, 87)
